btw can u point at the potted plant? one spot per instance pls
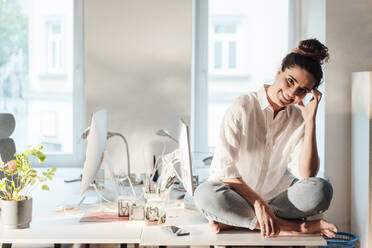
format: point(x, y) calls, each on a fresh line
point(19, 179)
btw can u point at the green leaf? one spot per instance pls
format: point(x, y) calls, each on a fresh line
point(45, 187)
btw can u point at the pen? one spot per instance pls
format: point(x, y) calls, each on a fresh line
point(170, 181)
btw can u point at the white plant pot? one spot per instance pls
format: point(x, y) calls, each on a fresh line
point(16, 214)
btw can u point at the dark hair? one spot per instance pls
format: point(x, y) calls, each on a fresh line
point(310, 56)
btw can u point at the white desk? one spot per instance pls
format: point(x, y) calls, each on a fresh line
point(48, 227)
point(201, 235)
point(65, 228)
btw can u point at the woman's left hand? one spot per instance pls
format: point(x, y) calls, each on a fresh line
point(309, 111)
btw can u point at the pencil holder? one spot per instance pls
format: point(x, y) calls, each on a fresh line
point(137, 212)
point(155, 209)
point(124, 205)
point(162, 196)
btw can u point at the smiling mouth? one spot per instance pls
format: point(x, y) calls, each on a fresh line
point(284, 100)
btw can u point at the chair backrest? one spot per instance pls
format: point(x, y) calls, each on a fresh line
point(7, 145)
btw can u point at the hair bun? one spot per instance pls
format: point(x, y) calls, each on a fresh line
point(314, 49)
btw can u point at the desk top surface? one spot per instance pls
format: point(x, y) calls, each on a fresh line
point(62, 228)
point(65, 227)
point(201, 234)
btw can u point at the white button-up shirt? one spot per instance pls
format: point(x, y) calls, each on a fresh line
point(255, 146)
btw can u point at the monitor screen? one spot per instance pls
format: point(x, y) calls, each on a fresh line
point(186, 164)
point(96, 145)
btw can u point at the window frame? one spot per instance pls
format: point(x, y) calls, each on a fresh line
point(199, 77)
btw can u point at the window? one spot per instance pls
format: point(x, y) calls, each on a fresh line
point(41, 75)
point(238, 48)
point(223, 43)
point(54, 46)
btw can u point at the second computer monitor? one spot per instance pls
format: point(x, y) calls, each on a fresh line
point(186, 163)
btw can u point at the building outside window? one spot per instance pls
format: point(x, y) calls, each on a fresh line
point(224, 41)
point(41, 75)
point(54, 46)
point(246, 42)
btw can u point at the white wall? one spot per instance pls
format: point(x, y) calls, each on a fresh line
point(313, 25)
point(138, 58)
point(349, 39)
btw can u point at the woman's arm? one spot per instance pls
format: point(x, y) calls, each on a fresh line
point(267, 221)
point(309, 158)
point(238, 185)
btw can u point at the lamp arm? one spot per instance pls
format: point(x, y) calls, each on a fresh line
point(172, 138)
point(111, 134)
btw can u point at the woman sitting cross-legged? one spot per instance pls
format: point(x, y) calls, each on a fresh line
point(266, 135)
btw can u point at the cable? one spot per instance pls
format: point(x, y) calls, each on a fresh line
point(111, 134)
point(100, 195)
point(131, 185)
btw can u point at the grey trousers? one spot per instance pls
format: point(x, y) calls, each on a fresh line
point(304, 198)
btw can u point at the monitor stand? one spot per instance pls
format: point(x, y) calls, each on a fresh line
point(110, 191)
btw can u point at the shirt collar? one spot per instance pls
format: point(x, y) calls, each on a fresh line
point(262, 97)
point(264, 103)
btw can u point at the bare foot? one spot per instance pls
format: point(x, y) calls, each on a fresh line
point(217, 226)
point(320, 226)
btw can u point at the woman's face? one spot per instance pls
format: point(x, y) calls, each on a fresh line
point(290, 87)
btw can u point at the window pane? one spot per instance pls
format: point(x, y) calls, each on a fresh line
point(36, 81)
point(56, 28)
point(217, 54)
point(253, 36)
point(229, 28)
point(232, 54)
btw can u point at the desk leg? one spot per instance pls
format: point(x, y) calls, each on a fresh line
point(57, 246)
point(6, 245)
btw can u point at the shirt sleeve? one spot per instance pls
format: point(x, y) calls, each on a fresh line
point(227, 150)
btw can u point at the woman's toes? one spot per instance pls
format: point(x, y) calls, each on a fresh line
point(328, 229)
point(334, 228)
point(328, 233)
point(214, 225)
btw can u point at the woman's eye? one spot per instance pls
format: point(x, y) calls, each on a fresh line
point(290, 80)
point(302, 91)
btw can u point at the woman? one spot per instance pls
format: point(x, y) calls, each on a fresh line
point(263, 138)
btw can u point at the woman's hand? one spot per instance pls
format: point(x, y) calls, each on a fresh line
point(309, 111)
point(266, 219)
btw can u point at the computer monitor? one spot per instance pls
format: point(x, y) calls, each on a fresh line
point(96, 147)
point(186, 163)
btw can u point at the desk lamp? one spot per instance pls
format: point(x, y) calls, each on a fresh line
point(124, 181)
point(163, 132)
point(181, 156)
